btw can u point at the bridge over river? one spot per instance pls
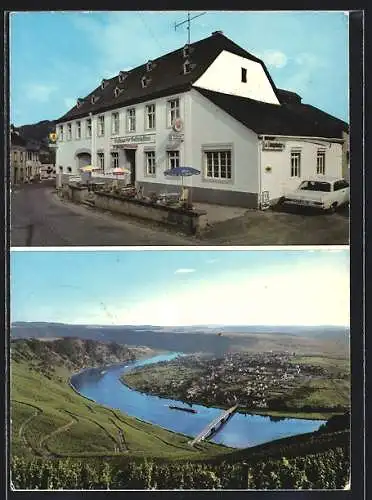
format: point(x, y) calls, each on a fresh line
point(215, 425)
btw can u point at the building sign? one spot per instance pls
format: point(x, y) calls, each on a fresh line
point(52, 140)
point(175, 136)
point(134, 139)
point(273, 146)
point(265, 200)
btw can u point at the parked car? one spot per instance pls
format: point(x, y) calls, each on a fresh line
point(324, 193)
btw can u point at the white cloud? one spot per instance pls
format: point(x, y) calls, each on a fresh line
point(274, 58)
point(39, 92)
point(184, 271)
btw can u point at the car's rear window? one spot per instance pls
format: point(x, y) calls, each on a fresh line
point(315, 186)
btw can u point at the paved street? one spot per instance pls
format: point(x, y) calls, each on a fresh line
point(280, 227)
point(38, 218)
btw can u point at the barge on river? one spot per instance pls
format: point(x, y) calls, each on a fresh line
point(189, 410)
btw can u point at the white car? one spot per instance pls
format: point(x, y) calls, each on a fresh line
point(324, 193)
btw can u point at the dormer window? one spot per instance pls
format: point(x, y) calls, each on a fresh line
point(186, 51)
point(145, 81)
point(117, 91)
point(103, 83)
point(149, 65)
point(186, 67)
point(79, 102)
point(122, 76)
point(93, 99)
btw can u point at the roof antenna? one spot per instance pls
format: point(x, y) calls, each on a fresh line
point(188, 21)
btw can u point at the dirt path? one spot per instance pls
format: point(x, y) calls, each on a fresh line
point(94, 422)
point(60, 429)
point(21, 431)
point(123, 446)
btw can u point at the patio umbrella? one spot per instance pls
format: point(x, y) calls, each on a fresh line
point(120, 170)
point(89, 168)
point(182, 172)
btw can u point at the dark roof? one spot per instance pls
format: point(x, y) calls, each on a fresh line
point(17, 140)
point(272, 119)
point(288, 97)
point(166, 77)
point(33, 146)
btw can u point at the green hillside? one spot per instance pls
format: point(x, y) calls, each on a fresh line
point(60, 440)
point(49, 419)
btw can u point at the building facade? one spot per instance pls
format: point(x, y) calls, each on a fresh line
point(24, 159)
point(33, 161)
point(220, 112)
point(18, 155)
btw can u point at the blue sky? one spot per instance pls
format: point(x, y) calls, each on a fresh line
point(177, 287)
point(56, 57)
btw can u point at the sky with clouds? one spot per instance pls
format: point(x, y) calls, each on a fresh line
point(56, 57)
point(178, 287)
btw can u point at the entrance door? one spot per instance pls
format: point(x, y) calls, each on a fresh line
point(84, 159)
point(130, 159)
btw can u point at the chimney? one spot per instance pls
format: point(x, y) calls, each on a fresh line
point(218, 32)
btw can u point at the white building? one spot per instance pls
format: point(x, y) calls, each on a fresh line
point(212, 106)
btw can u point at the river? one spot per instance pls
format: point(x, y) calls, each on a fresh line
point(241, 431)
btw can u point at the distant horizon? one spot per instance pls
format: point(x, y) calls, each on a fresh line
point(205, 325)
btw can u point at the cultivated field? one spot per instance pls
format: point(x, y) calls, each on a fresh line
point(48, 419)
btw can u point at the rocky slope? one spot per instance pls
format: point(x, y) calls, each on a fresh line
point(71, 353)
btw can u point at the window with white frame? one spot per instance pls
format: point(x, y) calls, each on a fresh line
point(115, 123)
point(320, 161)
point(78, 130)
point(29, 155)
point(21, 156)
point(89, 128)
point(295, 163)
point(15, 156)
point(131, 120)
point(69, 131)
point(173, 111)
point(101, 125)
point(150, 162)
point(114, 159)
point(101, 160)
point(173, 159)
point(150, 116)
point(61, 132)
point(218, 164)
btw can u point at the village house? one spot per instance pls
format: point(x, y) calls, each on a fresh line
point(17, 158)
point(24, 158)
point(32, 160)
point(210, 105)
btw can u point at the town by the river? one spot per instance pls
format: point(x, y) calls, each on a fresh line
point(241, 431)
